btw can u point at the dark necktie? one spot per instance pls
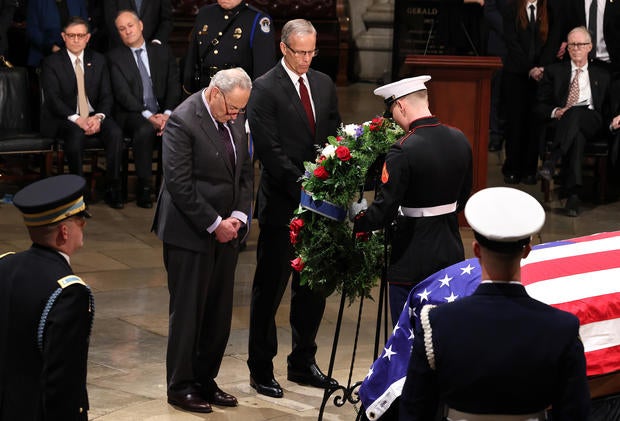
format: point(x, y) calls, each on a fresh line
point(148, 96)
point(305, 100)
point(227, 143)
point(138, 6)
point(532, 28)
point(592, 27)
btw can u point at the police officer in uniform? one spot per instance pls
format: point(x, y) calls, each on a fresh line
point(426, 180)
point(226, 35)
point(498, 355)
point(46, 312)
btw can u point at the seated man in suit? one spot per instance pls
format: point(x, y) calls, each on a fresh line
point(78, 104)
point(156, 16)
point(145, 80)
point(574, 96)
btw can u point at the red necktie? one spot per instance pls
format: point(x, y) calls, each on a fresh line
point(305, 100)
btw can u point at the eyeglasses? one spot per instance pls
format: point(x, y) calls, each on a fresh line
point(232, 109)
point(577, 45)
point(76, 36)
point(312, 53)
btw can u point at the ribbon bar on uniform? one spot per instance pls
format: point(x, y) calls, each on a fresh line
point(431, 211)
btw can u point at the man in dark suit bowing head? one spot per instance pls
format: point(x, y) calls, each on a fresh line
point(146, 86)
point(201, 214)
point(292, 109)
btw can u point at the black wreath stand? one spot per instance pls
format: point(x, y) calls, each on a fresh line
point(342, 394)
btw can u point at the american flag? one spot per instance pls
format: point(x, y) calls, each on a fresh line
point(580, 275)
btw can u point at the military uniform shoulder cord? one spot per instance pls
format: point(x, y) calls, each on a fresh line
point(428, 334)
point(63, 282)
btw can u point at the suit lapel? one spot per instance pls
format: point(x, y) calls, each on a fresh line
point(208, 126)
point(89, 77)
point(154, 66)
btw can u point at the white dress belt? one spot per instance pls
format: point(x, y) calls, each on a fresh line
point(432, 211)
point(454, 415)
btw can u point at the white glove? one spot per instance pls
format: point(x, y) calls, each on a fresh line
point(357, 207)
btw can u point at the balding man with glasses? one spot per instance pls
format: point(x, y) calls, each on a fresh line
point(291, 111)
point(574, 97)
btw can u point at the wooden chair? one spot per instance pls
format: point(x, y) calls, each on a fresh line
point(595, 157)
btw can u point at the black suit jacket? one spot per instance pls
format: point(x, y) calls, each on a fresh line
point(576, 16)
point(48, 384)
point(199, 182)
point(518, 41)
point(127, 84)
point(498, 351)
point(283, 139)
point(553, 90)
point(156, 15)
point(60, 88)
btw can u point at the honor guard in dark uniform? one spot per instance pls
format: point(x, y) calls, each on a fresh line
point(46, 312)
point(226, 35)
point(426, 180)
point(498, 354)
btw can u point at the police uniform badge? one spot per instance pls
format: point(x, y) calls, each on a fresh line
point(237, 33)
point(265, 25)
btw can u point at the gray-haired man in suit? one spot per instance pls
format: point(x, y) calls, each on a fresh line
point(202, 209)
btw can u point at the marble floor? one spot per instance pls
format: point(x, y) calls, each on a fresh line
point(122, 262)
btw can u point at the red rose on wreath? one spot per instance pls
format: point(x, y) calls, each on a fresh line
point(293, 236)
point(321, 173)
point(375, 124)
point(362, 236)
point(297, 264)
point(343, 153)
point(339, 138)
point(296, 225)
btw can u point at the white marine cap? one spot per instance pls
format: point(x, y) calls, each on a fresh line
point(392, 91)
point(503, 218)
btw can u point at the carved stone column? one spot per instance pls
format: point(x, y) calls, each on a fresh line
point(374, 45)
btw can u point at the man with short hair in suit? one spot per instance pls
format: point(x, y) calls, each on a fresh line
point(145, 91)
point(605, 31)
point(292, 110)
point(202, 210)
point(574, 97)
point(73, 116)
point(156, 16)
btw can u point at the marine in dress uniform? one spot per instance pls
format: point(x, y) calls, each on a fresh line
point(46, 312)
point(498, 354)
point(426, 180)
point(223, 38)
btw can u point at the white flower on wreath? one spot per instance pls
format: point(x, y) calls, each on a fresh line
point(352, 130)
point(328, 151)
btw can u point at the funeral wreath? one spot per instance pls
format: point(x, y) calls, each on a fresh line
point(328, 256)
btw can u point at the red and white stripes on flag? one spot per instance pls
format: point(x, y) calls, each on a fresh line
point(582, 276)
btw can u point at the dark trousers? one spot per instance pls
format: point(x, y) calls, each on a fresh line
point(74, 139)
point(144, 137)
point(273, 269)
point(201, 299)
point(572, 131)
point(522, 136)
point(398, 296)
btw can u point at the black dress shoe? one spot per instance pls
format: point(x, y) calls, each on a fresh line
point(511, 179)
point(269, 388)
point(572, 205)
point(143, 198)
point(221, 398)
point(192, 402)
point(311, 376)
point(529, 179)
point(113, 198)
